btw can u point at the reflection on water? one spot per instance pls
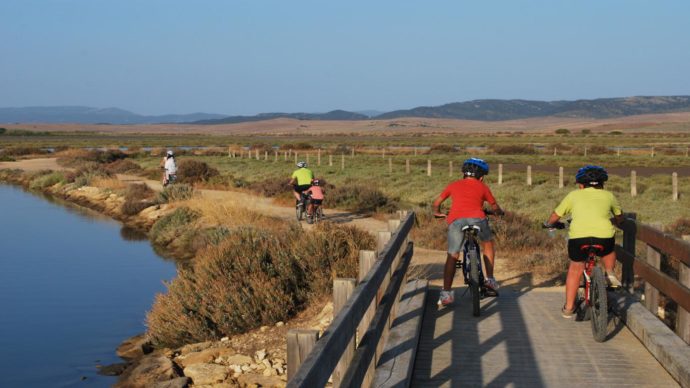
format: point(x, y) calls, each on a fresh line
point(73, 285)
point(130, 234)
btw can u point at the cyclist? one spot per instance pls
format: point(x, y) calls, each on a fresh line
point(170, 168)
point(467, 199)
point(316, 192)
point(590, 207)
point(301, 180)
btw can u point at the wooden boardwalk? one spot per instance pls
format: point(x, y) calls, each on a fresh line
point(521, 340)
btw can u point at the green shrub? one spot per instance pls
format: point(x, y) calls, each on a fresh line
point(192, 171)
point(562, 131)
point(359, 198)
point(515, 149)
point(137, 198)
point(252, 278)
point(122, 166)
point(47, 180)
point(173, 226)
point(7, 158)
point(175, 192)
point(22, 151)
point(680, 227)
point(441, 149)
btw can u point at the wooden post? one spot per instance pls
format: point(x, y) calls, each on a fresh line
point(450, 168)
point(381, 241)
point(633, 183)
point(428, 167)
point(307, 158)
point(275, 156)
point(585, 150)
point(290, 152)
point(652, 153)
point(257, 154)
point(285, 155)
point(629, 242)
point(618, 151)
point(352, 155)
point(651, 294)
point(330, 160)
point(366, 261)
point(407, 166)
point(342, 290)
point(342, 162)
point(295, 157)
point(393, 225)
point(500, 173)
point(300, 342)
point(560, 177)
point(318, 157)
point(383, 153)
point(529, 175)
point(265, 155)
point(683, 317)
point(390, 165)
point(686, 151)
point(554, 151)
point(415, 151)
point(674, 184)
point(229, 152)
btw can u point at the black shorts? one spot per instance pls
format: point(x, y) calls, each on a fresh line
point(316, 201)
point(301, 188)
point(574, 245)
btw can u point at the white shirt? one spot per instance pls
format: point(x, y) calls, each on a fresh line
point(170, 167)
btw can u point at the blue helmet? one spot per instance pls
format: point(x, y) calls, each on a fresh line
point(475, 167)
point(591, 175)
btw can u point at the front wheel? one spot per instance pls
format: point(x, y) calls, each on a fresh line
point(599, 305)
point(299, 210)
point(474, 281)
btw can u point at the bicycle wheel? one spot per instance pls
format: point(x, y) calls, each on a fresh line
point(600, 307)
point(299, 209)
point(474, 281)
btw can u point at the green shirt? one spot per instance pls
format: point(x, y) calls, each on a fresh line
point(591, 211)
point(303, 176)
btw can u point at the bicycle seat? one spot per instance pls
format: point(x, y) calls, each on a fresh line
point(597, 249)
point(475, 227)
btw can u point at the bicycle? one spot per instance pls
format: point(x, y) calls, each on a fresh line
point(592, 291)
point(317, 213)
point(302, 205)
point(170, 180)
point(471, 265)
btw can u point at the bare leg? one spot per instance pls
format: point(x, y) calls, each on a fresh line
point(310, 208)
point(449, 271)
point(296, 194)
point(489, 254)
point(609, 262)
point(572, 283)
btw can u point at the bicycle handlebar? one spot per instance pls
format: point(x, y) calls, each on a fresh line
point(488, 212)
point(555, 225)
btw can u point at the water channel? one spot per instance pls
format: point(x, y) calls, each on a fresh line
point(73, 285)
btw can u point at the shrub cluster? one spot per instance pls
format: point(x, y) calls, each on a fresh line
point(122, 166)
point(192, 171)
point(174, 226)
point(252, 278)
point(22, 151)
point(360, 198)
point(138, 197)
point(515, 149)
point(174, 193)
point(43, 180)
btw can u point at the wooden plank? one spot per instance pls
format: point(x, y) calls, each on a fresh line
point(319, 365)
point(664, 242)
point(342, 290)
point(299, 344)
point(651, 294)
point(366, 262)
point(683, 315)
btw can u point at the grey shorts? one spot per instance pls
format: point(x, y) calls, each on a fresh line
point(455, 232)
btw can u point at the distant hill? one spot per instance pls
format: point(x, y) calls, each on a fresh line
point(88, 115)
point(332, 115)
point(494, 110)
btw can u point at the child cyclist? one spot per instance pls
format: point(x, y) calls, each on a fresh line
point(590, 207)
point(467, 200)
point(316, 193)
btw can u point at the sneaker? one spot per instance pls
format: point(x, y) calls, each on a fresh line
point(491, 283)
point(612, 281)
point(567, 314)
point(445, 298)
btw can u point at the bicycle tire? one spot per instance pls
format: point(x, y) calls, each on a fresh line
point(299, 209)
point(474, 281)
point(599, 305)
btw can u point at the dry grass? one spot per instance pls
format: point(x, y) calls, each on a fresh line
point(109, 183)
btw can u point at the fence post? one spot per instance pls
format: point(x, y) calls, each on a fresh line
point(674, 183)
point(318, 157)
point(353, 152)
point(500, 173)
point(651, 294)
point(285, 155)
point(652, 153)
point(585, 150)
point(618, 151)
point(428, 167)
point(295, 157)
point(265, 155)
point(560, 177)
point(366, 261)
point(390, 165)
point(229, 152)
point(683, 317)
point(554, 151)
point(342, 290)
point(299, 343)
point(307, 158)
point(275, 156)
point(450, 168)
point(383, 153)
point(330, 160)
point(407, 166)
point(529, 175)
point(629, 240)
point(342, 162)
point(382, 239)
point(633, 183)
point(257, 154)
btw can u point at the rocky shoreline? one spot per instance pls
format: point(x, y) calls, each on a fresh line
point(254, 359)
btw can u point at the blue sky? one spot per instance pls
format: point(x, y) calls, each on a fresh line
point(253, 56)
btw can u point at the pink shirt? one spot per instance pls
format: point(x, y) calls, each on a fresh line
point(316, 192)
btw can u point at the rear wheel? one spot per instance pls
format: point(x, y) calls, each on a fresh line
point(600, 306)
point(474, 281)
point(299, 210)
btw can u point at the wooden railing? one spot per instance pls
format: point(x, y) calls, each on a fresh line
point(344, 352)
point(648, 268)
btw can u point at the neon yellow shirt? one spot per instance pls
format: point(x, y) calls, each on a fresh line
point(303, 176)
point(591, 210)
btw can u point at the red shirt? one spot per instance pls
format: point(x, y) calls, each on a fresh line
point(467, 199)
point(316, 192)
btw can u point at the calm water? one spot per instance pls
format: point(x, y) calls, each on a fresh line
point(72, 287)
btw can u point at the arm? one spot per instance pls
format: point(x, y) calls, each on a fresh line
point(437, 206)
point(497, 209)
point(553, 219)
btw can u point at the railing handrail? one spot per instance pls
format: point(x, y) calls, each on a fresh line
point(664, 243)
point(321, 361)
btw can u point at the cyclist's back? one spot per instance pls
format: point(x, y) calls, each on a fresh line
point(301, 179)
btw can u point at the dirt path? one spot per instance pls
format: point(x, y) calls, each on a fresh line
point(33, 164)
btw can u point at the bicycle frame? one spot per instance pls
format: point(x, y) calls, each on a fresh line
point(469, 244)
point(592, 261)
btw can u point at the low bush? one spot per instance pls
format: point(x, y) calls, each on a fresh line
point(441, 149)
point(252, 278)
point(22, 151)
point(270, 187)
point(174, 193)
point(680, 228)
point(173, 226)
point(47, 180)
point(7, 158)
point(360, 198)
point(515, 149)
point(122, 166)
point(137, 198)
point(192, 171)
